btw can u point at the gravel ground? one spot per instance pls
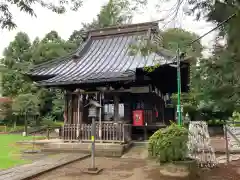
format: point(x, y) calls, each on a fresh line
point(135, 166)
point(133, 169)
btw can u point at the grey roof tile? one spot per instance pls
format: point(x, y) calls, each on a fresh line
point(101, 58)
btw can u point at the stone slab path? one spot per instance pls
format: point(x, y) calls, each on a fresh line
point(49, 163)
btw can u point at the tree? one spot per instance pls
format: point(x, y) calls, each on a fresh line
point(58, 6)
point(58, 103)
point(115, 12)
point(17, 58)
point(77, 37)
point(220, 86)
point(174, 37)
point(26, 103)
point(215, 82)
point(50, 47)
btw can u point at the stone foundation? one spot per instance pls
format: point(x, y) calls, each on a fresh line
point(101, 149)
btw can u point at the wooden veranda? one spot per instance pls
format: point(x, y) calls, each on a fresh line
point(105, 132)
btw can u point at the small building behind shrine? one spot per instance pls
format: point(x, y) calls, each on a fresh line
point(134, 101)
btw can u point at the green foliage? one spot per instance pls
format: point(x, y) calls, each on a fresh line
point(115, 12)
point(58, 104)
point(5, 109)
point(215, 122)
point(77, 37)
point(17, 58)
point(166, 44)
point(21, 55)
point(3, 128)
point(218, 76)
point(26, 103)
point(174, 37)
point(59, 6)
point(235, 119)
point(169, 144)
point(188, 101)
point(215, 81)
point(15, 129)
point(51, 47)
point(50, 121)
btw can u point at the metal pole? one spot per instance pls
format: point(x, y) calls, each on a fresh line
point(93, 142)
point(179, 114)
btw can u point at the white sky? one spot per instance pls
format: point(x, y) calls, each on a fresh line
point(65, 24)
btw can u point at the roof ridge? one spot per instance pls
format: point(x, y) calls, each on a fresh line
point(125, 28)
point(150, 23)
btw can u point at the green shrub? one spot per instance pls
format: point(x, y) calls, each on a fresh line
point(169, 144)
point(50, 121)
point(215, 122)
point(3, 128)
point(153, 140)
point(16, 129)
point(235, 119)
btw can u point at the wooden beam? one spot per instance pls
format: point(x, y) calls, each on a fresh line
point(65, 115)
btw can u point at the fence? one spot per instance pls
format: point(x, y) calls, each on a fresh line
point(106, 132)
point(232, 138)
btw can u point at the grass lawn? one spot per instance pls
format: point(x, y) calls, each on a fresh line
point(10, 152)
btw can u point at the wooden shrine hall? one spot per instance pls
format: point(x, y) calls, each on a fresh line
point(133, 101)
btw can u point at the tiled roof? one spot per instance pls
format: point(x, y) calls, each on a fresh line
point(103, 57)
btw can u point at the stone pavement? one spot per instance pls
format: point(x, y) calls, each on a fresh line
point(223, 158)
point(40, 141)
point(49, 163)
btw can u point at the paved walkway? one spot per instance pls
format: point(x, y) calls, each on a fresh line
point(29, 170)
point(40, 141)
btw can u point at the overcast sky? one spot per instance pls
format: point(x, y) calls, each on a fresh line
point(65, 24)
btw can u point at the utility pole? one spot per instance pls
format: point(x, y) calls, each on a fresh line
point(179, 113)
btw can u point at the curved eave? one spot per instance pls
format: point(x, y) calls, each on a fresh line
point(90, 81)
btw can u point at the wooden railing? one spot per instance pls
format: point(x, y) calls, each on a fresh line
point(108, 132)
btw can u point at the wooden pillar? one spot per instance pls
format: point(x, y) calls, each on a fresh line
point(65, 115)
point(116, 108)
point(163, 111)
point(78, 115)
point(74, 108)
point(70, 109)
